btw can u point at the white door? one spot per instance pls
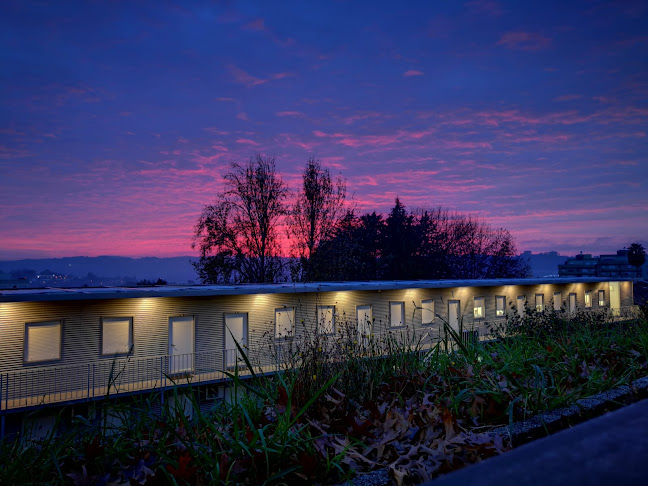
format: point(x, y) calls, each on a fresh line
point(453, 315)
point(364, 317)
point(181, 344)
point(572, 303)
point(615, 298)
point(236, 330)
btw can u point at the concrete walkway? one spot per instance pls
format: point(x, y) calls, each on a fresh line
point(608, 450)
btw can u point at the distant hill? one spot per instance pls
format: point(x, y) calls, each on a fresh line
point(174, 270)
point(178, 270)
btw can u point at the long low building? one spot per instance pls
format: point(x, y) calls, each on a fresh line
point(67, 345)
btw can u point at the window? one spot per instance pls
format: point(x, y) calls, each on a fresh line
point(588, 298)
point(42, 341)
point(116, 335)
point(500, 305)
point(365, 320)
point(284, 322)
point(396, 314)
point(572, 303)
point(521, 301)
point(427, 311)
point(601, 298)
point(539, 304)
point(557, 301)
point(479, 309)
point(326, 319)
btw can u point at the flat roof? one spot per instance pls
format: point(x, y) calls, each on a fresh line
point(101, 293)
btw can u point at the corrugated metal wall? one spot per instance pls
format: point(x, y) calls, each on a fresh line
point(81, 320)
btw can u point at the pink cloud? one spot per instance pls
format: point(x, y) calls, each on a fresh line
point(289, 113)
point(412, 72)
point(247, 141)
point(524, 41)
point(242, 116)
point(242, 77)
point(364, 116)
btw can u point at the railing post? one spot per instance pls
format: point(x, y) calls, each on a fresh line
point(161, 378)
point(88, 378)
point(94, 382)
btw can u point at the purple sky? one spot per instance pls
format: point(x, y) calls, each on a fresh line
point(118, 118)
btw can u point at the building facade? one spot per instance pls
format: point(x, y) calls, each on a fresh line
point(609, 266)
point(74, 345)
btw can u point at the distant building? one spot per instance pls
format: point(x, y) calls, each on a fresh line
point(585, 265)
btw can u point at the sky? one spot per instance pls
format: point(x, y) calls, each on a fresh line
point(118, 119)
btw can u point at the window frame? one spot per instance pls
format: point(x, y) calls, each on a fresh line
point(588, 299)
point(479, 307)
point(500, 312)
point(521, 299)
point(130, 336)
point(321, 329)
point(427, 311)
point(541, 306)
point(402, 312)
point(557, 304)
point(601, 302)
point(291, 332)
point(30, 325)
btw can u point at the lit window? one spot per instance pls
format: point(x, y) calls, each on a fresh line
point(326, 319)
point(521, 301)
point(42, 341)
point(284, 322)
point(539, 304)
point(500, 305)
point(588, 298)
point(601, 298)
point(116, 335)
point(396, 314)
point(479, 310)
point(557, 301)
point(427, 312)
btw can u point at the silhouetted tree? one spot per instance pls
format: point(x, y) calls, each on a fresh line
point(317, 211)
point(237, 236)
point(636, 255)
point(400, 244)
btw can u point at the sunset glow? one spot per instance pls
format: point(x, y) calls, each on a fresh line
point(118, 119)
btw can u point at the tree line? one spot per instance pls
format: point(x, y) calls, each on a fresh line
point(239, 236)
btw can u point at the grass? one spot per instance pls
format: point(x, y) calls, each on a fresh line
point(346, 405)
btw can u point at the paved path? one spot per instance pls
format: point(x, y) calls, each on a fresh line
point(608, 450)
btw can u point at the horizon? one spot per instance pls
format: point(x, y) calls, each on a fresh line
point(119, 120)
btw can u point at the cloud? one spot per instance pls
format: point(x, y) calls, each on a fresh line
point(257, 25)
point(247, 141)
point(524, 41)
point(569, 97)
point(485, 7)
point(412, 72)
point(242, 77)
point(242, 116)
point(289, 113)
